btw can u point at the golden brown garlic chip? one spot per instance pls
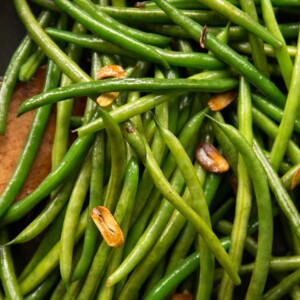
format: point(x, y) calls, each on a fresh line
point(211, 159)
point(221, 100)
point(110, 71)
point(296, 179)
point(183, 296)
point(108, 226)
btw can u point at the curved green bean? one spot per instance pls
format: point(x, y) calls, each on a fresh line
point(50, 261)
point(48, 214)
point(244, 190)
point(31, 146)
point(225, 53)
point(110, 33)
point(7, 272)
point(96, 198)
point(283, 199)
point(118, 160)
point(145, 37)
point(202, 228)
point(200, 206)
point(290, 114)
point(127, 84)
point(176, 58)
point(177, 274)
point(12, 72)
point(78, 150)
point(72, 216)
point(261, 188)
point(67, 66)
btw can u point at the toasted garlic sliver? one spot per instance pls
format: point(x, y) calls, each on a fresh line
point(296, 179)
point(108, 226)
point(110, 71)
point(221, 100)
point(211, 159)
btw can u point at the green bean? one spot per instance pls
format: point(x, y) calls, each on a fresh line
point(74, 207)
point(31, 146)
point(126, 84)
point(259, 59)
point(96, 194)
point(145, 37)
point(182, 246)
point(49, 240)
point(244, 194)
point(100, 260)
point(126, 206)
point(290, 114)
point(186, 138)
point(50, 261)
point(7, 272)
point(283, 287)
point(68, 67)
point(111, 33)
point(261, 188)
point(283, 199)
point(77, 150)
point(271, 129)
point(118, 160)
point(164, 186)
point(268, 50)
point(225, 53)
point(196, 192)
point(271, 110)
point(47, 216)
point(218, 215)
point(147, 237)
point(176, 275)
point(199, 60)
point(31, 65)
point(177, 3)
point(64, 109)
point(158, 150)
point(49, 4)
point(135, 15)
point(237, 16)
point(59, 291)
point(12, 72)
point(284, 61)
point(44, 288)
point(166, 239)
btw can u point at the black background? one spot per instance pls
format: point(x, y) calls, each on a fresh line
point(11, 32)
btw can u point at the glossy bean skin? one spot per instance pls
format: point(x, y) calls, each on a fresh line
point(127, 84)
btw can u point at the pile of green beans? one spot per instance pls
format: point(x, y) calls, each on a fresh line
point(189, 231)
